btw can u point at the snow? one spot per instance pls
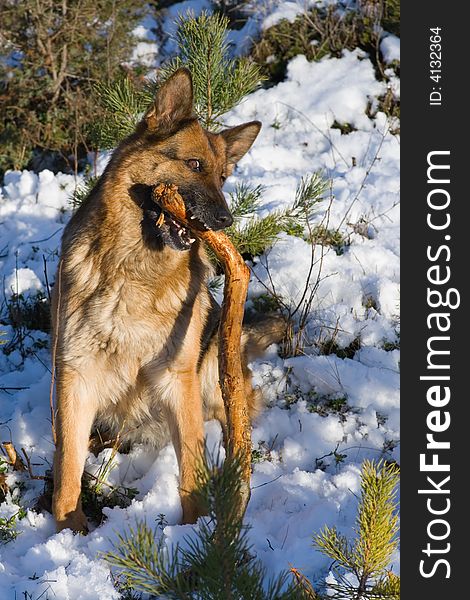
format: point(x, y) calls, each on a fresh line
point(146, 48)
point(290, 10)
point(297, 485)
point(390, 48)
point(23, 280)
point(285, 10)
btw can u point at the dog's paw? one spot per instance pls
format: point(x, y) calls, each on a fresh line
point(74, 520)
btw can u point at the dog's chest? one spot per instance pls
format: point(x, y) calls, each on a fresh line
point(134, 307)
point(145, 315)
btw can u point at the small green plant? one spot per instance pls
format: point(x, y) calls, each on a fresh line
point(263, 452)
point(390, 346)
point(218, 564)
point(252, 236)
point(265, 303)
point(368, 556)
point(369, 302)
point(98, 493)
point(345, 128)
point(330, 406)
point(8, 526)
point(3, 478)
point(331, 346)
point(329, 237)
point(29, 311)
point(3, 465)
point(25, 314)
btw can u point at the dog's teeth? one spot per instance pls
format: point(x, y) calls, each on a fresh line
point(191, 240)
point(192, 217)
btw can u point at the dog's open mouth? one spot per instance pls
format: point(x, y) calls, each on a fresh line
point(174, 234)
point(170, 231)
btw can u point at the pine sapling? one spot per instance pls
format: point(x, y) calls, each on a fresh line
point(216, 564)
point(220, 81)
point(368, 556)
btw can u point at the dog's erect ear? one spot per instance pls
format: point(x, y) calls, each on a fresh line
point(239, 140)
point(173, 102)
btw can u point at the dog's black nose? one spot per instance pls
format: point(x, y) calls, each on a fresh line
point(223, 219)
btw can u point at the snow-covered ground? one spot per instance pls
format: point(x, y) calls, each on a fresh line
point(298, 483)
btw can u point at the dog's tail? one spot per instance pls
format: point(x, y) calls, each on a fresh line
point(260, 332)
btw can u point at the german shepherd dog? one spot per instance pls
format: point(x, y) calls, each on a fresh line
point(134, 322)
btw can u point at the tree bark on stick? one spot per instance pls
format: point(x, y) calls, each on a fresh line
point(237, 276)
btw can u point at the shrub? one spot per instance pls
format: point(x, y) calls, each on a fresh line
point(326, 31)
point(63, 48)
point(252, 236)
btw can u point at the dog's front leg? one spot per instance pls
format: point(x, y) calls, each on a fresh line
point(187, 429)
point(75, 415)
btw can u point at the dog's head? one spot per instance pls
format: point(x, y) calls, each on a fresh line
point(172, 147)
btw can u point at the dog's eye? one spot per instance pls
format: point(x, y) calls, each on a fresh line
point(194, 164)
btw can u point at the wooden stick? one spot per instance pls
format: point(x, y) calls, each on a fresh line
point(237, 276)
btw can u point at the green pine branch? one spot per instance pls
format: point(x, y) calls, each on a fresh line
point(124, 104)
point(82, 191)
point(251, 235)
point(218, 564)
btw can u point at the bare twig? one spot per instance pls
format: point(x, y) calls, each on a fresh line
point(46, 278)
point(366, 176)
point(303, 583)
point(15, 460)
point(30, 469)
point(45, 239)
point(327, 137)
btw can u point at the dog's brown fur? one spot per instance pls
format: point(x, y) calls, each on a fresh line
point(136, 350)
